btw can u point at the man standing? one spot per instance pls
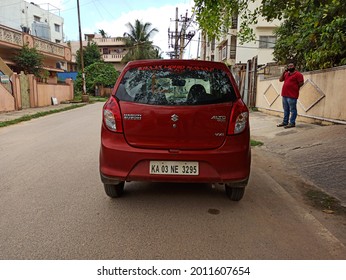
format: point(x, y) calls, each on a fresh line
point(293, 80)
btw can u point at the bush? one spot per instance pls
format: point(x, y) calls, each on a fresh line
point(96, 74)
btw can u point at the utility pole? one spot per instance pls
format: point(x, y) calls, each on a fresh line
point(176, 33)
point(85, 96)
point(199, 39)
point(177, 39)
point(204, 45)
point(182, 37)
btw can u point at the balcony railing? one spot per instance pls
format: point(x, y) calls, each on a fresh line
point(113, 57)
point(49, 47)
point(17, 39)
point(109, 41)
point(11, 36)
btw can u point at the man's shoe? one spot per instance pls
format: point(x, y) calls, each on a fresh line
point(281, 124)
point(290, 125)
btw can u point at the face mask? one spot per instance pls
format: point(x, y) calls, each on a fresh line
point(291, 69)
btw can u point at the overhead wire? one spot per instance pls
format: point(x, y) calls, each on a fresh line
point(105, 9)
point(97, 9)
point(98, 2)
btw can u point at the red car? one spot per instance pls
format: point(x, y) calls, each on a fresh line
point(175, 121)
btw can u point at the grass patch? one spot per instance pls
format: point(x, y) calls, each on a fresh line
point(97, 99)
point(325, 202)
point(92, 99)
point(38, 115)
point(255, 143)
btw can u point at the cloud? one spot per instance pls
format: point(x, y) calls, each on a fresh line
point(161, 18)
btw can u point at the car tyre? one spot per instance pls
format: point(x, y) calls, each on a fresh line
point(114, 191)
point(234, 193)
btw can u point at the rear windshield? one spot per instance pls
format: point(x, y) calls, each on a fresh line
point(175, 85)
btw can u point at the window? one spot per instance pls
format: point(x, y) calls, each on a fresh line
point(57, 27)
point(234, 22)
point(169, 86)
point(267, 42)
point(224, 52)
point(233, 49)
point(36, 18)
point(213, 44)
point(57, 41)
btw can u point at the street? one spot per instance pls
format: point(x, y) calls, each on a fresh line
point(53, 206)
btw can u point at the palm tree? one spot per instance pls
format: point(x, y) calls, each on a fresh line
point(138, 41)
point(102, 33)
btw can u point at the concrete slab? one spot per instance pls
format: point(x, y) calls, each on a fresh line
point(317, 152)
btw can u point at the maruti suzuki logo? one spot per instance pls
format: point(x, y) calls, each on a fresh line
point(174, 118)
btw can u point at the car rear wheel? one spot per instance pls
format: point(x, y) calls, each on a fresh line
point(234, 193)
point(114, 191)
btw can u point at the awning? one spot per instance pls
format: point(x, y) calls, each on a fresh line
point(9, 62)
point(52, 69)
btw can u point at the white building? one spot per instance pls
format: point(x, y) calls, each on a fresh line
point(33, 19)
point(229, 50)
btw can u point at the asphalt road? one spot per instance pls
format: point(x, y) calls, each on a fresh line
point(52, 206)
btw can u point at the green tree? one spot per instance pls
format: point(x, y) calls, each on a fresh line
point(313, 33)
point(29, 60)
point(138, 41)
point(97, 74)
point(91, 54)
point(215, 16)
point(314, 38)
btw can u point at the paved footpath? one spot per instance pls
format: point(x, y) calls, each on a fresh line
point(8, 116)
point(317, 152)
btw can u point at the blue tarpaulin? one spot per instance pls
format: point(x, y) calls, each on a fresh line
point(65, 75)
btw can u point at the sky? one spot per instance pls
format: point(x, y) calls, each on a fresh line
point(112, 16)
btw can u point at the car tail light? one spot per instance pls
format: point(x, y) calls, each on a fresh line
point(239, 118)
point(112, 115)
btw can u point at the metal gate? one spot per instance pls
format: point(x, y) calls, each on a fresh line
point(246, 77)
point(24, 90)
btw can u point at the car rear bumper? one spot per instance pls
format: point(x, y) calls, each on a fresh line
point(228, 164)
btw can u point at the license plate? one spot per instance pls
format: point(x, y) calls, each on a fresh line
point(190, 168)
